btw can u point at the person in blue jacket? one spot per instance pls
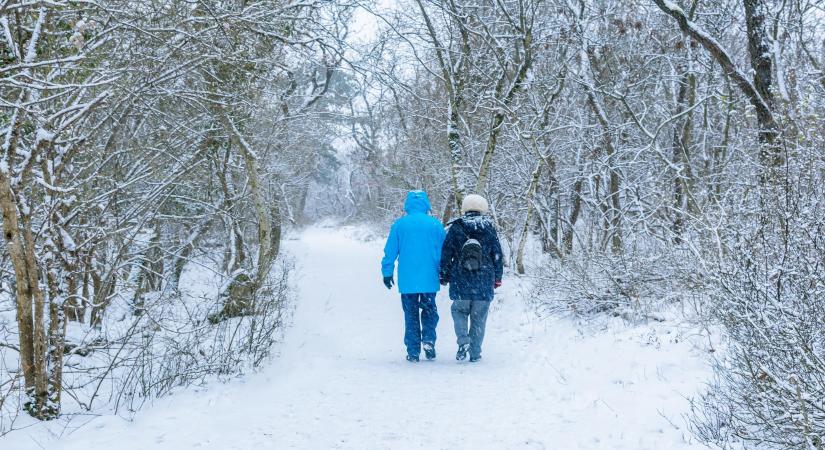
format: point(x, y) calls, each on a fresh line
point(472, 263)
point(415, 241)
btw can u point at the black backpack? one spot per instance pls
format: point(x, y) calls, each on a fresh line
point(471, 252)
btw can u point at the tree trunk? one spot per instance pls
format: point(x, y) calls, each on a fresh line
point(760, 52)
point(85, 292)
point(447, 214)
point(528, 201)
point(103, 286)
point(613, 211)
point(615, 207)
point(683, 178)
point(575, 210)
point(454, 75)
point(73, 306)
point(454, 144)
point(268, 236)
point(185, 253)
point(149, 268)
point(30, 301)
point(234, 254)
point(24, 292)
point(57, 336)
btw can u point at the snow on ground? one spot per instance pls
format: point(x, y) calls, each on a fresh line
point(341, 380)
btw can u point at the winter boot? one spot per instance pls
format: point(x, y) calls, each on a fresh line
point(475, 358)
point(429, 350)
point(461, 355)
point(412, 358)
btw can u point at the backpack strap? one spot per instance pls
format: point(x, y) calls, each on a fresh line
point(463, 228)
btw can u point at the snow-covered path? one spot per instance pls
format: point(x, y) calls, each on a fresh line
point(341, 380)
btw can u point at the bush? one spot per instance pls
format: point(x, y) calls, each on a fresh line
point(769, 389)
point(171, 343)
point(634, 286)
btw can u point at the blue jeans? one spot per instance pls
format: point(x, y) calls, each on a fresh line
point(472, 315)
point(420, 320)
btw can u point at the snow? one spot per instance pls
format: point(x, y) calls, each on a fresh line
point(44, 135)
point(31, 50)
point(477, 222)
point(341, 381)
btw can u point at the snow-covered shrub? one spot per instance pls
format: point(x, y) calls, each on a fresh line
point(633, 286)
point(142, 353)
point(769, 389)
point(173, 343)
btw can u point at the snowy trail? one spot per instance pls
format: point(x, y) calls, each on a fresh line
point(341, 381)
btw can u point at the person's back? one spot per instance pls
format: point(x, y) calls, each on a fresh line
point(415, 240)
point(477, 284)
point(472, 263)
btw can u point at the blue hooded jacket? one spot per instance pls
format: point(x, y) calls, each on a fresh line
point(415, 240)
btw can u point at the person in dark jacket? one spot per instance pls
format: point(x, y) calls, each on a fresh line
point(415, 241)
point(472, 263)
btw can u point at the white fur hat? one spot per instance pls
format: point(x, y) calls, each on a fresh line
point(474, 202)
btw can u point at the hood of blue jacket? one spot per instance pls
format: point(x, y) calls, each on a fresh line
point(417, 202)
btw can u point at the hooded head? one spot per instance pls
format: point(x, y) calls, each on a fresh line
point(417, 202)
point(475, 203)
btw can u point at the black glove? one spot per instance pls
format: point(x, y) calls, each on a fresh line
point(442, 279)
point(388, 282)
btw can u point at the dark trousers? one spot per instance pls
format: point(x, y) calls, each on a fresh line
point(470, 314)
point(420, 320)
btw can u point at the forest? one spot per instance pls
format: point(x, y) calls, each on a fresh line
point(637, 155)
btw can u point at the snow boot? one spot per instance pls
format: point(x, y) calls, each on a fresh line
point(461, 355)
point(429, 350)
point(475, 358)
point(412, 358)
